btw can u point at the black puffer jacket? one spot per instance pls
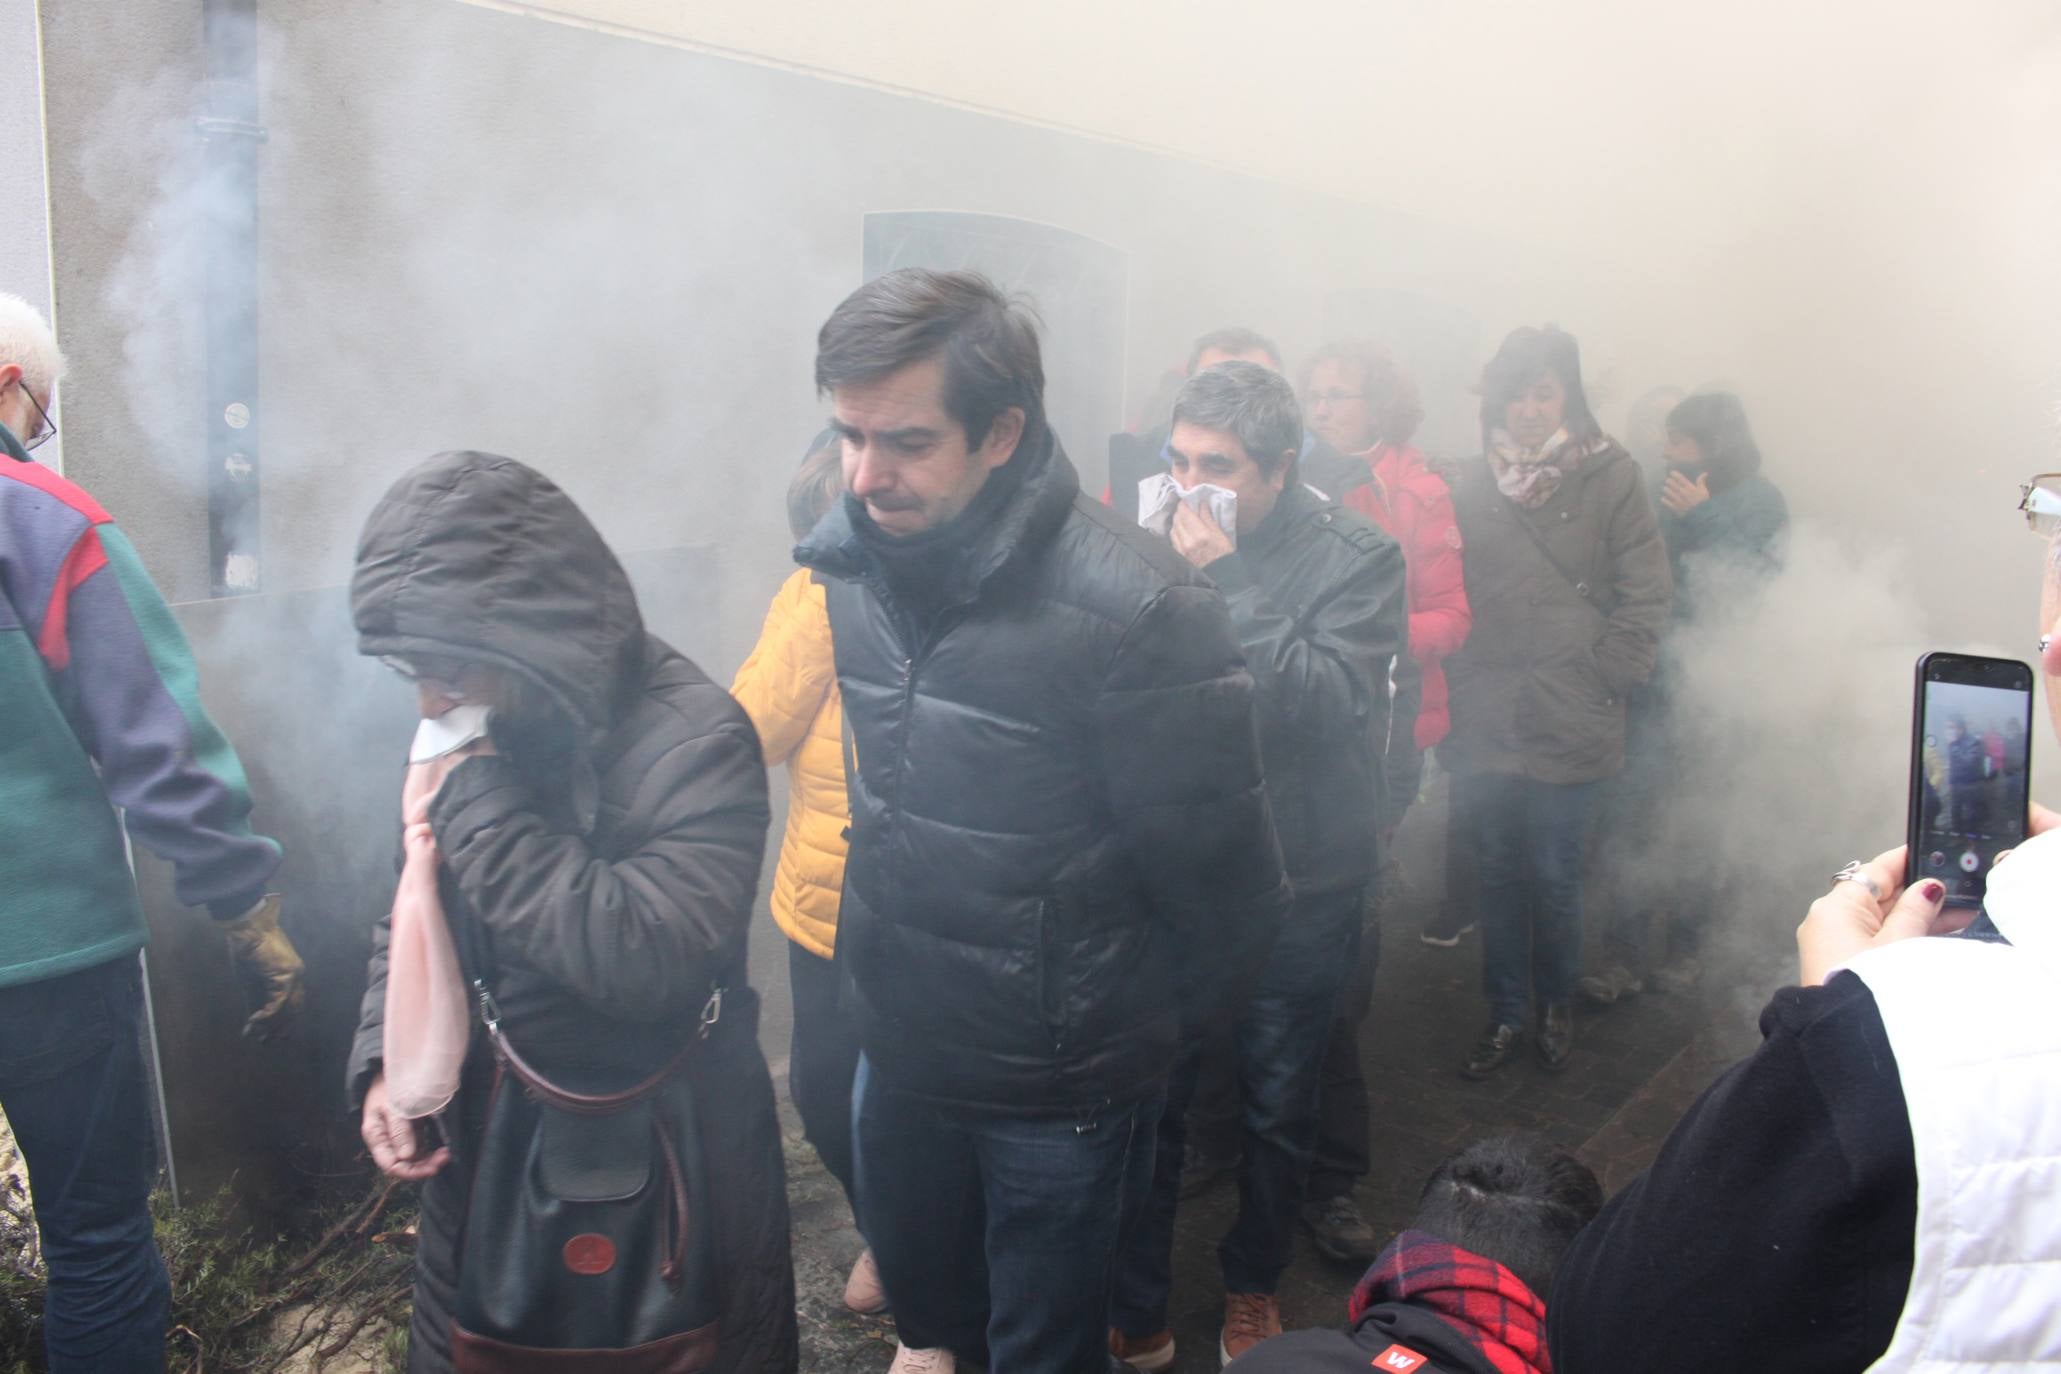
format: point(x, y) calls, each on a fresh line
point(1316, 598)
point(1060, 836)
point(608, 876)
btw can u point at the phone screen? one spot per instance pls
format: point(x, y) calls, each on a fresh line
point(1971, 757)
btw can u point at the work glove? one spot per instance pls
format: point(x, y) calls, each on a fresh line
point(270, 962)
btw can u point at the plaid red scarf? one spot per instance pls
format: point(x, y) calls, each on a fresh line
point(1490, 1307)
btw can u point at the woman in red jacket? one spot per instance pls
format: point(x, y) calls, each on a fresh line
point(1358, 401)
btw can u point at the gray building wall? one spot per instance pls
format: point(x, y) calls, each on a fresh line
point(606, 258)
point(24, 208)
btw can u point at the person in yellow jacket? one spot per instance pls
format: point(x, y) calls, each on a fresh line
point(789, 688)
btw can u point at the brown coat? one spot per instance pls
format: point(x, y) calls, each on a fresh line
point(1539, 690)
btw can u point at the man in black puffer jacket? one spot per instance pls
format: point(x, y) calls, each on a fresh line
point(1316, 599)
point(1061, 842)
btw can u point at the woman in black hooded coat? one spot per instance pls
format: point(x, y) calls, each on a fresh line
point(603, 858)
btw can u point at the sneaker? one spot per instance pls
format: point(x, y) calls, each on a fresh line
point(1200, 1173)
point(1445, 929)
point(1339, 1231)
point(1146, 1353)
point(1613, 984)
point(1497, 1047)
point(863, 1291)
point(1249, 1318)
point(936, 1361)
point(1678, 977)
point(1556, 1035)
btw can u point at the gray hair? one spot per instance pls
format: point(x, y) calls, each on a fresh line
point(1253, 404)
point(26, 341)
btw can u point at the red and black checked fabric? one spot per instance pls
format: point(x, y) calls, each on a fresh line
point(1490, 1307)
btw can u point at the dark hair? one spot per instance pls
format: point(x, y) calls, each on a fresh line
point(989, 343)
point(1254, 404)
point(1392, 393)
point(1236, 339)
point(1515, 1199)
point(1717, 422)
point(1529, 351)
point(816, 483)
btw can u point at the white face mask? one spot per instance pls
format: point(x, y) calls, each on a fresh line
point(449, 732)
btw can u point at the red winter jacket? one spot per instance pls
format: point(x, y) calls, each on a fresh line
point(1412, 503)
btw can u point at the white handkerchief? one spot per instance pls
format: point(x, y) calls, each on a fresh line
point(451, 731)
point(1160, 493)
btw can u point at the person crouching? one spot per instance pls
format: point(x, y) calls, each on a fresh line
point(1459, 1291)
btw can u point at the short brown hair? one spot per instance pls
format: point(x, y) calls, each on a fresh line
point(989, 343)
point(1392, 393)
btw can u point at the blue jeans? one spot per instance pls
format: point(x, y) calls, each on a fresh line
point(1282, 1035)
point(1530, 836)
point(997, 1235)
point(73, 1086)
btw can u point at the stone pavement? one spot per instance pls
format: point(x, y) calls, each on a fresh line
point(1634, 1069)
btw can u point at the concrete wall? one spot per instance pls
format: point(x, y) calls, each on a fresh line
point(606, 257)
point(24, 208)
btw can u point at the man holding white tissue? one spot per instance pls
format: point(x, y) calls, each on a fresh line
point(1316, 601)
point(585, 816)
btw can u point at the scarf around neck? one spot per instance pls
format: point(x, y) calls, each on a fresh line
point(1486, 1305)
point(1530, 476)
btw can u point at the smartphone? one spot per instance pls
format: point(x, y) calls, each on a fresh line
point(1971, 766)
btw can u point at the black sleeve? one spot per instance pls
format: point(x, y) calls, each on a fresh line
point(1320, 675)
point(1181, 762)
point(1774, 1232)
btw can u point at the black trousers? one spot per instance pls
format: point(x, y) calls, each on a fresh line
point(1343, 1151)
point(1344, 1146)
point(823, 1059)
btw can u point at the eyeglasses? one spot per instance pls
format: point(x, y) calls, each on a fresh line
point(1334, 397)
point(2040, 499)
point(49, 429)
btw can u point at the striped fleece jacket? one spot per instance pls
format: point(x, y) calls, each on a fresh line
point(104, 712)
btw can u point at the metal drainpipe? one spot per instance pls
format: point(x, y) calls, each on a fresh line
point(230, 136)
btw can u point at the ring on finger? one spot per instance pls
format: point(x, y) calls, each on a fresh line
point(1856, 872)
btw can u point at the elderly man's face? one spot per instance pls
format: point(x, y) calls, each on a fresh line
point(21, 413)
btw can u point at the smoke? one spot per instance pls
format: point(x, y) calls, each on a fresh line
point(609, 258)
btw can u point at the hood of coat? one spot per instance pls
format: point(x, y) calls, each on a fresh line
point(477, 556)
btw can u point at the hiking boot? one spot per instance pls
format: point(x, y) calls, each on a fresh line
point(1678, 977)
point(863, 1291)
point(935, 1361)
point(1556, 1035)
point(1249, 1318)
point(1498, 1046)
point(1339, 1231)
point(1146, 1353)
point(1445, 929)
point(1200, 1173)
point(1613, 984)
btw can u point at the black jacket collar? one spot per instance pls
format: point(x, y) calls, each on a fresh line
point(1023, 528)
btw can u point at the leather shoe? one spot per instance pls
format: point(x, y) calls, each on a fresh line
point(1556, 1035)
point(1497, 1047)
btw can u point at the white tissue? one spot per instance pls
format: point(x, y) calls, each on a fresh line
point(1160, 493)
point(449, 732)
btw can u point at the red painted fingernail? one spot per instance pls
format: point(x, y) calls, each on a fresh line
point(1932, 891)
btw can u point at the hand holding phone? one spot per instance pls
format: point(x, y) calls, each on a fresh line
point(1971, 769)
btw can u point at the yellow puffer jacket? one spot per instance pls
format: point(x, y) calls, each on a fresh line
point(789, 688)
